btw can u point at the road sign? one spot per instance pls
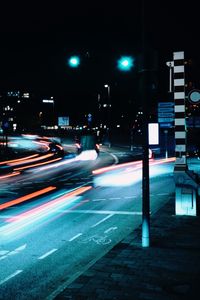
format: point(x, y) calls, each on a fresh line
point(165, 104)
point(89, 118)
point(166, 125)
point(165, 120)
point(165, 109)
point(165, 115)
point(194, 96)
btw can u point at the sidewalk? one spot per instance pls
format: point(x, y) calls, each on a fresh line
point(169, 269)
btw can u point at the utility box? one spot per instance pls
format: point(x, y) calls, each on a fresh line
point(187, 193)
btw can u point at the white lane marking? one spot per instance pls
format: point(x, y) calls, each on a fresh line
point(47, 254)
point(18, 249)
point(10, 253)
point(115, 158)
point(116, 198)
point(110, 229)
point(101, 212)
point(10, 276)
point(104, 219)
point(75, 237)
point(3, 252)
point(163, 194)
point(103, 199)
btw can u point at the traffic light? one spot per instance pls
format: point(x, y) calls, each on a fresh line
point(125, 63)
point(74, 61)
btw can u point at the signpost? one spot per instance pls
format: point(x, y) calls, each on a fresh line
point(194, 96)
point(166, 114)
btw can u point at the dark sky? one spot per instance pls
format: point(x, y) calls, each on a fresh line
point(36, 40)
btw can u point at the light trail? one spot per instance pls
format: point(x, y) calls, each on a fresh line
point(38, 164)
point(18, 160)
point(27, 197)
point(10, 175)
point(25, 161)
point(41, 212)
point(133, 163)
point(126, 174)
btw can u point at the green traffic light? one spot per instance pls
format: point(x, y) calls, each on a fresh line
point(74, 61)
point(125, 63)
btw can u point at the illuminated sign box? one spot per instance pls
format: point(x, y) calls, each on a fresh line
point(153, 129)
point(63, 121)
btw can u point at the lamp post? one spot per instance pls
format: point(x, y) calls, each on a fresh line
point(109, 110)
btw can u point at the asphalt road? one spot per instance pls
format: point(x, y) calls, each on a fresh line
point(53, 238)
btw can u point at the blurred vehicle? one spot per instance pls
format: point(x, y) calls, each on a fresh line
point(87, 142)
point(56, 148)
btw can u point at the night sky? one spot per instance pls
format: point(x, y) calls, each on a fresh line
point(37, 39)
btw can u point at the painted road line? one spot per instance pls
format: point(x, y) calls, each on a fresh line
point(47, 254)
point(75, 237)
point(101, 212)
point(10, 276)
point(114, 198)
point(101, 221)
point(163, 194)
point(3, 252)
point(103, 199)
point(15, 251)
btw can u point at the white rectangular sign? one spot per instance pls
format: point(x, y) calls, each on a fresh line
point(153, 133)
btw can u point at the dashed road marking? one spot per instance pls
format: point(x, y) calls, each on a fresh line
point(3, 252)
point(75, 237)
point(47, 254)
point(10, 276)
point(15, 251)
point(103, 199)
point(101, 221)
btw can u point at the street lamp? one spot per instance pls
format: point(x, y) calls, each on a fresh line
point(125, 63)
point(74, 61)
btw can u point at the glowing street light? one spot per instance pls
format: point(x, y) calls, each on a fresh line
point(125, 63)
point(74, 61)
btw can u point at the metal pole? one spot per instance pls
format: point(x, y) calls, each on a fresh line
point(145, 165)
point(166, 144)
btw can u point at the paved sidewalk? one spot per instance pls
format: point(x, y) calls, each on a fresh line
point(168, 269)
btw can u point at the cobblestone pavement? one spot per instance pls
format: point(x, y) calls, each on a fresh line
point(169, 269)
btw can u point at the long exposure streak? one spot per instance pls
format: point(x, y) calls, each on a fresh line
point(27, 197)
point(38, 164)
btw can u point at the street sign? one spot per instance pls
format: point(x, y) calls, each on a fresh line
point(165, 120)
point(165, 104)
point(194, 96)
point(165, 115)
point(166, 125)
point(89, 118)
point(165, 109)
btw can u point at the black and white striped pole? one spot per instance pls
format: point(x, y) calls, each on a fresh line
point(179, 110)
point(187, 187)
